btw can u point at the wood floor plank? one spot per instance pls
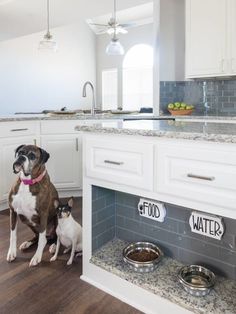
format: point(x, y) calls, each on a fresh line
point(50, 288)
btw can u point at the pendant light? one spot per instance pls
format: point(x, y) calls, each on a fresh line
point(114, 48)
point(47, 43)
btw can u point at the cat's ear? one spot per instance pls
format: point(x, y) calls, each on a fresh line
point(70, 202)
point(56, 203)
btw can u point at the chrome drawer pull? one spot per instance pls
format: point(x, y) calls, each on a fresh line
point(17, 130)
point(195, 176)
point(117, 163)
point(76, 144)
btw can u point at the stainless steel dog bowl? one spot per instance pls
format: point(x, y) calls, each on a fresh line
point(196, 280)
point(142, 257)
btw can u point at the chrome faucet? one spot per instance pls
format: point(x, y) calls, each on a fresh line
point(93, 107)
point(206, 106)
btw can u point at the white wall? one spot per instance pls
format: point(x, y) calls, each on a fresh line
point(137, 35)
point(32, 80)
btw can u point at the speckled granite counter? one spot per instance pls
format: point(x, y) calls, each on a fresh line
point(38, 117)
point(163, 282)
point(32, 117)
point(200, 131)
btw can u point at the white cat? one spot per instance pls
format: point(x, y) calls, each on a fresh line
point(69, 232)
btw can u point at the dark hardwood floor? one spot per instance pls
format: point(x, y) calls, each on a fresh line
point(50, 288)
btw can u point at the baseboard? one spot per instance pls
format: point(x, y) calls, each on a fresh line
point(70, 193)
point(127, 292)
point(3, 206)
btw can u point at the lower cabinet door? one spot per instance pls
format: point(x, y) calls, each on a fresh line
point(64, 165)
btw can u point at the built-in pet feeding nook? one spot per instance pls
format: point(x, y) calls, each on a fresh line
point(148, 190)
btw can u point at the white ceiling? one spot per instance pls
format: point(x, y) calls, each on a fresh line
point(23, 17)
point(136, 15)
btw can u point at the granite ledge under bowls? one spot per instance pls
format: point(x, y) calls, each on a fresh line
point(187, 130)
point(163, 281)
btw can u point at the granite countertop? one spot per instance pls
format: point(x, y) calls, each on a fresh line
point(200, 131)
point(163, 282)
point(39, 117)
point(108, 116)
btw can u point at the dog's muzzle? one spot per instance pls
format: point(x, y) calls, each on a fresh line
point(18, 164)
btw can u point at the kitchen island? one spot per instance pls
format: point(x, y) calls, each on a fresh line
point(188, 167)
point(184, 129)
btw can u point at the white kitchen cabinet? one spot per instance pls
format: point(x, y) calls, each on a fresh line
point(12, 135)
point(59, 138)
point(121, 161)
point(232, 36)
point(206, 38)
point(203, 175)
point(64, 164)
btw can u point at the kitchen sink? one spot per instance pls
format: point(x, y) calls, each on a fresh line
point(148, 118)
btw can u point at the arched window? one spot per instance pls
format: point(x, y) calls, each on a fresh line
point(138, 77)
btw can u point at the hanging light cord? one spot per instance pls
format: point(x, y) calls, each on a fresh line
point(115, 10)
point(114, 38)
point(48, 35)
point(48, 15)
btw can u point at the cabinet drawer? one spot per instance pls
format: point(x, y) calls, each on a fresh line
point(128, 163)
point(201, 174)
point(65, 126)
point(58, 126)
point(19, 128)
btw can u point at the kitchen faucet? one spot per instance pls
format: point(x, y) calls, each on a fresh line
point(84, 95)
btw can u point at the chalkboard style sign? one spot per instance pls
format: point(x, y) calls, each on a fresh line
point(207, 225)
point(152, 209)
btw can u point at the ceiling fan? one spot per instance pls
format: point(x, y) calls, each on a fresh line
point(113, 27)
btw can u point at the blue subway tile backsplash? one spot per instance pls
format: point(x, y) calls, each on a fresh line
point(115, 214)
point(213, 97)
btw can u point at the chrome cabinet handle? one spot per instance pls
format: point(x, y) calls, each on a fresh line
point(195, 176)
point(222, 65)
point(77, 144)
point(117, 163)
point(232, 64)
point(18, 130)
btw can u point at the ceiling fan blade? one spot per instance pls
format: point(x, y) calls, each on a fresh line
point(127, 25)
point(104, 25)
point(121, 30)
point(102, 31)
point(118, 30)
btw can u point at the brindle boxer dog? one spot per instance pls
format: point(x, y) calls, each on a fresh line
point(32, 199)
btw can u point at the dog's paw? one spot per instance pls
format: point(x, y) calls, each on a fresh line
point(35, 260)
point(52, 259)
point(69, 262)
point(25, 245)
point(11, 255)
point(78, 254)
point(52, 248)
point(66, 250)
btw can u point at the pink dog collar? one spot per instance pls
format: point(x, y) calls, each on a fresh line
point(33, 181)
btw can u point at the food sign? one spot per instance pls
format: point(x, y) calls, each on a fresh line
point(152, 209)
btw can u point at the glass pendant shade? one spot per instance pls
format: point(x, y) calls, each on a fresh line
point(47, 43)
point(114, 48)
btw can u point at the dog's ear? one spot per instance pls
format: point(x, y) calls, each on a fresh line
point(44, 156)
point(18, 148)
point(56, 203)
point(70, 202)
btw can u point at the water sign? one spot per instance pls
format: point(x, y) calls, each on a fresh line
point(207, 225)
point(152, 209)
